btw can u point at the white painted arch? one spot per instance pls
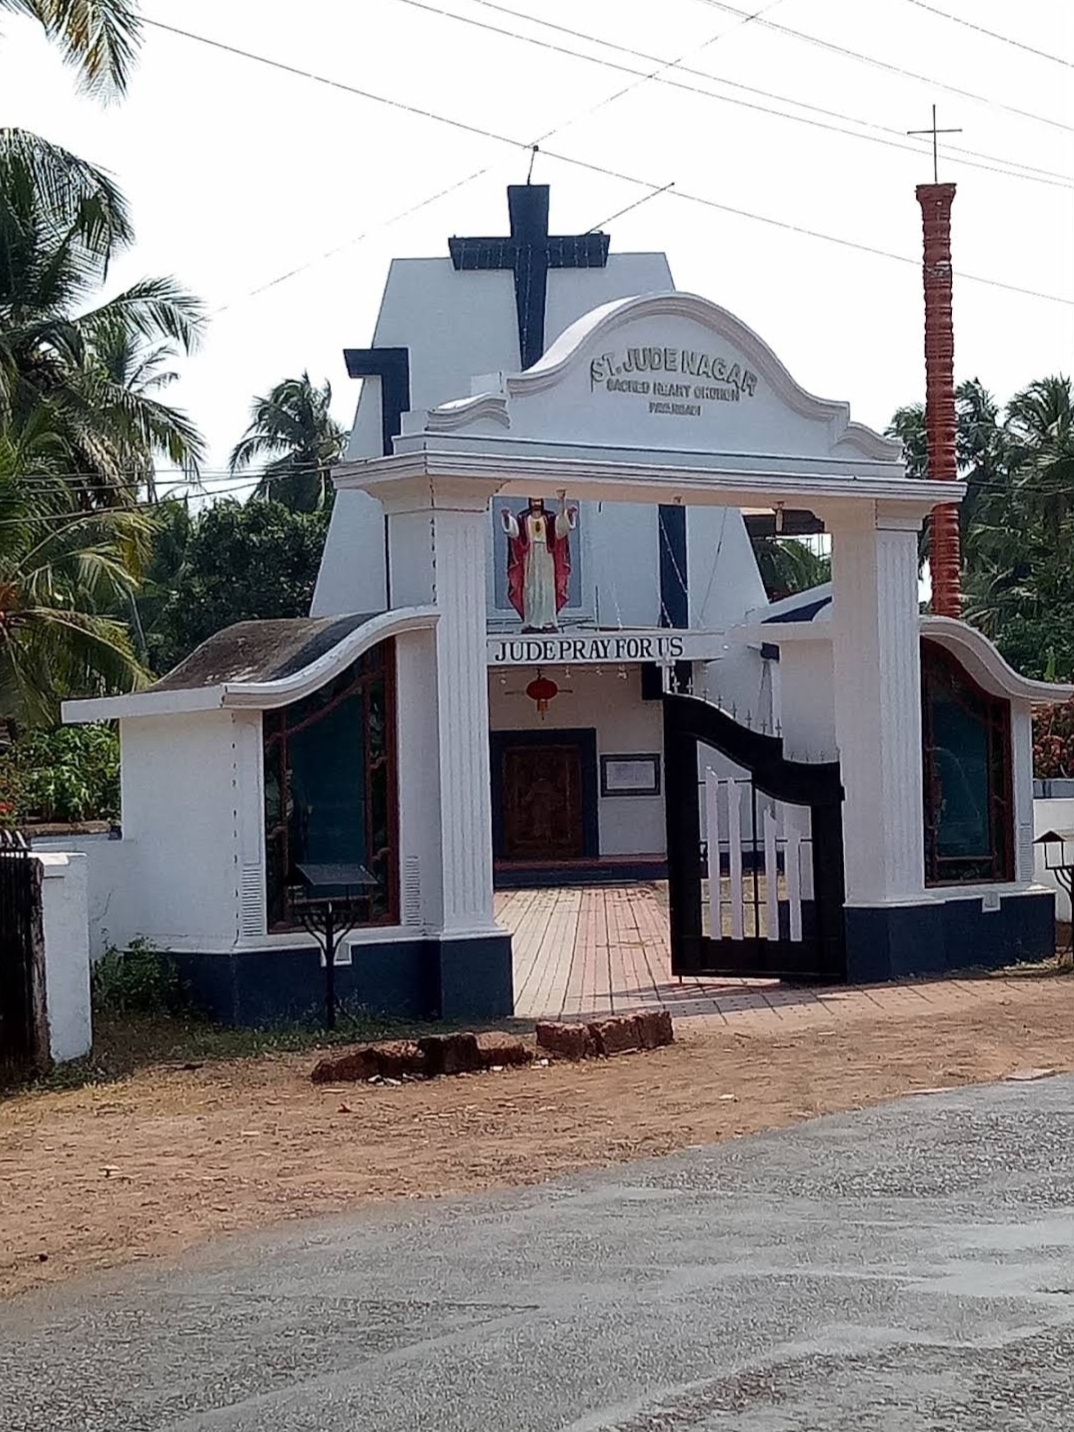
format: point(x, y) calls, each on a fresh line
point(257, 695)
point(561, 398)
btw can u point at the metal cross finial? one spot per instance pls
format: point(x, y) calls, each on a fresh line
point(935, 146)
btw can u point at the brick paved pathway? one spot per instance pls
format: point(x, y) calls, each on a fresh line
point(604, 950)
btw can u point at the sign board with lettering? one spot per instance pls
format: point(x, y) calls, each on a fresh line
point(666, 373)
point(604, 647)
point(677, 382)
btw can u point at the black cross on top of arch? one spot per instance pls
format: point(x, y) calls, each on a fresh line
point(530, 251)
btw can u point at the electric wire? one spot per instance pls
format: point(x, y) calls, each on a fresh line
point(479, 173)
point(993, 34)
point(605, 171)
point(1010, 169)
point(894, 69)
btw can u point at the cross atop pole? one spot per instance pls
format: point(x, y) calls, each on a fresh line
point(935, 146)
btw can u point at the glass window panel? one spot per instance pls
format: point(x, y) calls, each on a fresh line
point(326, 821)
point(960, 750)
point(967, 759)
point(329, 786)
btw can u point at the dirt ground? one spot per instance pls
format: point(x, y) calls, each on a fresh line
point(100, 1176)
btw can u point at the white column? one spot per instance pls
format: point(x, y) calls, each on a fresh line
point(878, 702)
point(437, 538)
point(462, 697)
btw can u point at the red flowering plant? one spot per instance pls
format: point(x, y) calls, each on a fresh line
point(1053, 741)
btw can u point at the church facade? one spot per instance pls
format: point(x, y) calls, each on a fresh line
point(620, 575)
point(540, 652)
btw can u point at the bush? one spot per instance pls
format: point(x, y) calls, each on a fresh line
point(68, 774)
point(1053, 742)
point(138, 980)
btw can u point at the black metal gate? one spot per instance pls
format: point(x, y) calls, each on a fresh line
point(20, 887)
point(755, 859)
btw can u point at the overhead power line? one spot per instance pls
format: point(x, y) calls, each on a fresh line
point(890, 68)
point(896, 138)
point(527, 145)
point(993, 34)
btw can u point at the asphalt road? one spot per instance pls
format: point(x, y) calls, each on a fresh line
point(906, 1268)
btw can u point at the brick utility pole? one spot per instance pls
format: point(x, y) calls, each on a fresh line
point(940, 421)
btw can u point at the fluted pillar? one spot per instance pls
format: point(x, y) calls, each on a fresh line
point(462, 696)
point(437, 531)
point(878, 702)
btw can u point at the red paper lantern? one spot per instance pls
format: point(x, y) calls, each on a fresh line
point(542, 690)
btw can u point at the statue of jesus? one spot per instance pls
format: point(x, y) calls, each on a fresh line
point(538, 562)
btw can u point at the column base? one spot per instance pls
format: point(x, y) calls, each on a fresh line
point(890, 942)
point(453, 978)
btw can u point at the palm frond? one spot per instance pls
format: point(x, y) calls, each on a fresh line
point(99, 38)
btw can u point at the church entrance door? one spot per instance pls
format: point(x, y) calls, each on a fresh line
point(541, 795)
point(755, 858)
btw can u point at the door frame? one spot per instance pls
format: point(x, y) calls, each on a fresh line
point(585, 737)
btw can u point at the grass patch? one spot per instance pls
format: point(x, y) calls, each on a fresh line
point(124, 1043)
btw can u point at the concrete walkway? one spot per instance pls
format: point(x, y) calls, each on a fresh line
point(909, 1269)
point(599, 950)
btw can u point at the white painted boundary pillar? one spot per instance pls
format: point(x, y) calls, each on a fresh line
point(878, 701)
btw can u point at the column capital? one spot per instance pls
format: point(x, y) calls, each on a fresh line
point(435, 494)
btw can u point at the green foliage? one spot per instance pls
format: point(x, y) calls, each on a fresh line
point(239, 562)
point(788, 565)
point(138, 980)
point(81, 419)
point(293, 428)
point(99, 39)
point(69, 774)
point(62, 223)
point(1017, 518)
point(1053, 742)
point(63, 571)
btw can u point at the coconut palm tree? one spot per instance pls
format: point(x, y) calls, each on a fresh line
point(62, 570)
point(293, 428)
point(1040, 434)
point(98, 38)
point(61, 223)
point(788, 565)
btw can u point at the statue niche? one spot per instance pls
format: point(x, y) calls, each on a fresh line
point(538, 562)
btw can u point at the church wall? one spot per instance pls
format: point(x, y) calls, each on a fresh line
point(625, 563)
point(742, 683)
point(180, 823)
point(457, 326)
point(112, 890)
point(724, 583)
point(806, 703)
point(1022, 774)
point(624, 725)
point(420, 894)
point(413, 573)
point(572, 292)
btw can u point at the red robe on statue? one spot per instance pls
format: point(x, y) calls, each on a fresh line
point(519, 551)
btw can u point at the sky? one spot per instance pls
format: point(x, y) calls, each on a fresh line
point(280, 199)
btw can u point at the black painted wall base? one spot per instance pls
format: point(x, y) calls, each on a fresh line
point(456, 979)
point(892, 941)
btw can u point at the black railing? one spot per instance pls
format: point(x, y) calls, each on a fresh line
point(18, 897)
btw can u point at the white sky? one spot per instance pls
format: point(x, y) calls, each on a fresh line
point(238, 173)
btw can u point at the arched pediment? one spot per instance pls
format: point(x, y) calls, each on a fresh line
point(667, 372)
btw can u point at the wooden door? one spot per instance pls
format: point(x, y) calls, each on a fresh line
point(542, 802)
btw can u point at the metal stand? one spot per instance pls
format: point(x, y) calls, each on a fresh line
point(329, 922)
point(330, 916)
point(1058, 846)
